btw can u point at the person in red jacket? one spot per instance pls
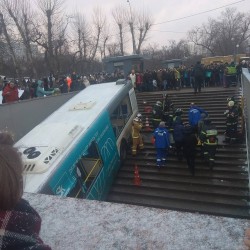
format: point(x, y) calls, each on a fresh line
point(10, 93)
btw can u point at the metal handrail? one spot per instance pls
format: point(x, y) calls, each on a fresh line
point(245, 83)
point(96, 164)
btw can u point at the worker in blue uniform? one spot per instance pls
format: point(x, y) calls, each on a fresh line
point(162, 143)
point(194, 116)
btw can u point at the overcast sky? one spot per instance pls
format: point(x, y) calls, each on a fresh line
point(164, 11)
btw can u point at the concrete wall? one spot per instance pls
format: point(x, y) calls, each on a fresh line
point(20, 117)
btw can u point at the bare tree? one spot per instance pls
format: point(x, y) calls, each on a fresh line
point(119, 15)
point(204, 36)
point(131, 21)
point(10, 46)
point(139, 25)
point(99, 21)
point(113, 49)
point(81, 33)
point(21, 14)
point(52, 10)
point(144, 25)
point(105, 36)
point(220, 37)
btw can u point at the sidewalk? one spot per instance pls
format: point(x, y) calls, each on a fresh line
point(74, 224)
point(188, 90)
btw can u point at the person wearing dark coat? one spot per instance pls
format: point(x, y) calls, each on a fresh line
point(189, 148)
point(26, 94)
point(178, 135)
point(199, 77)
point(19, 222)
point(63, 86)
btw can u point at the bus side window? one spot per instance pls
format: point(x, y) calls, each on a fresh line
point(116, 113)
point(121, 115)
point(124, 109)
point(87, 169)
point(115, 130)
point(92, 150)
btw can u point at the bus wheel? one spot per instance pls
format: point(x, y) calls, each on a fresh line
point(123, 152)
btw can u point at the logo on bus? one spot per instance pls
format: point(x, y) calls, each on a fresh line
point(107, 149)
point(60, 190)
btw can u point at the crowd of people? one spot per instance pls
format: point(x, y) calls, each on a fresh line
point(50, 85)
point(172, 134)
point(194, 76)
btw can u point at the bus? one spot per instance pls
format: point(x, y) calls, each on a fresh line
point(222, 59)
point(78, 149)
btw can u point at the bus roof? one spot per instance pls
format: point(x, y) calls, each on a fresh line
point(55, 134)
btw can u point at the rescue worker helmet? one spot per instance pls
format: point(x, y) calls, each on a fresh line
point(139, 115)
point(232, 98)
point(158, 103)
point(230, 103)
point(178, 111)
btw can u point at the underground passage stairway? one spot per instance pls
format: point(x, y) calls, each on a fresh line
point(222, 191)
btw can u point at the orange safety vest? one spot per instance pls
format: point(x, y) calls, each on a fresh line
point(69, 81)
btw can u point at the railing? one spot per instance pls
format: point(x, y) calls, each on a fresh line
point(245, 80)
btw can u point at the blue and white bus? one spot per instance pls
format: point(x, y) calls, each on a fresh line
point(78, 149)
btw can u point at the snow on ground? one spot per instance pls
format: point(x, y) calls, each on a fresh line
point(76, 224)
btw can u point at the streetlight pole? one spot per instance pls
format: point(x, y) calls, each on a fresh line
point(237, 48)
point(234, 49)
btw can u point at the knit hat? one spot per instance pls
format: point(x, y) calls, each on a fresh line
point(162, 125)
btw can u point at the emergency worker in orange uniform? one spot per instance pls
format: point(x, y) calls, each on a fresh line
point(136, 136)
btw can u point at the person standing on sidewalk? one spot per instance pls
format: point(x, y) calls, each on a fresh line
point(198, 76)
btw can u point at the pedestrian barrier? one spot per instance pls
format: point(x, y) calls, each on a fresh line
point(147, 125)
point(137, 179)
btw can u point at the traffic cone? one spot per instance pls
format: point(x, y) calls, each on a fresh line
point(137, 179)
point(147, 125)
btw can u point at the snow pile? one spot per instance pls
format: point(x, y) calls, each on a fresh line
point(69, 223)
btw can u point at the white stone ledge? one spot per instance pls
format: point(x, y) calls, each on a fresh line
point(69, 224)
